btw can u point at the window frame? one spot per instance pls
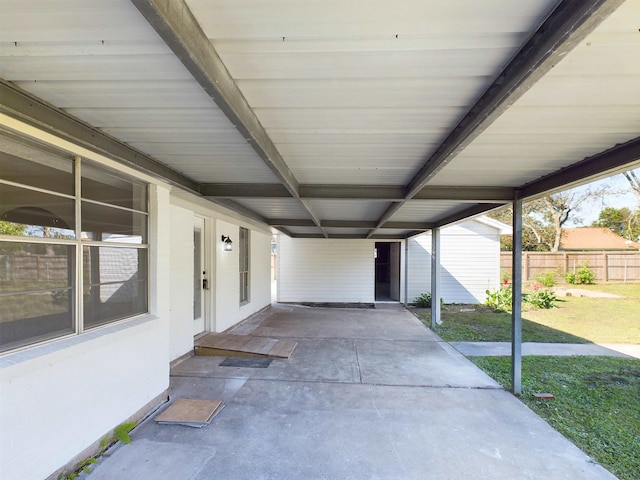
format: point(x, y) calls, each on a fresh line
point(244, 264)
point(81, 247)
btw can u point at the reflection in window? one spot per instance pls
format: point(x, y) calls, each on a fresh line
point(22, 164)
point(36, 292)
point(115, 282)
point(36, 214)
point(39, 279)
point(103, 186)
point(108, 224)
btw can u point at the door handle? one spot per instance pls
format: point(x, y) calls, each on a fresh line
point(205, 284)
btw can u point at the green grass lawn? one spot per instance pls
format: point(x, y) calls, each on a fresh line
point(575, 320)
point(598, 320)
point(596, 403)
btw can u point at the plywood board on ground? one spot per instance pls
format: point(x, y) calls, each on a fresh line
point(190, 412)
point(220, 344)
point(283, 349)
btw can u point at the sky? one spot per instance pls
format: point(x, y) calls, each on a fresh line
point(589, 212)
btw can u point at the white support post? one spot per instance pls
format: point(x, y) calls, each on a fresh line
point(435, 277)
point(516, 307)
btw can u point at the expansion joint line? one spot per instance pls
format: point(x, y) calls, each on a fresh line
point(355, 348)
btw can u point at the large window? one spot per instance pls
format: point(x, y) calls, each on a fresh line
point(73, 245)
point(244, 265)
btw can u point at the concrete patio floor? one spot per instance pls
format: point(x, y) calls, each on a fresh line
point(368, 394)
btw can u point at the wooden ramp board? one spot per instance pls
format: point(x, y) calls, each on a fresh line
point(229, 345)
point(283, 348)
point(192, 413)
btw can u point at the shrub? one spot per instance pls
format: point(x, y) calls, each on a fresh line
point(584, 276)
point(542, 298)
point(423, 300)
point(547, 279)
point(499, 300)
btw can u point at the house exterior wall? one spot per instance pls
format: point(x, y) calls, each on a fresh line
point(326, 270)
point(59, 398)
point(470, 263)
point(55, 405)
point(181, 280)
point(228, 308)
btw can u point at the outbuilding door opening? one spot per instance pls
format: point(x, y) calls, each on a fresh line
point(387, 259)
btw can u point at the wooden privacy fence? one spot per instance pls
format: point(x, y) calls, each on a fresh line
point(34, 268)
point(607, 266)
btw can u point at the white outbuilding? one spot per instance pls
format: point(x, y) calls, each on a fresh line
point(367, 271)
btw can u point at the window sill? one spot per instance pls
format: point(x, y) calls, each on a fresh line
point(26, 354)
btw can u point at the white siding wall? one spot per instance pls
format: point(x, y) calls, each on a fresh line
point(325, 270)
point(470, 260)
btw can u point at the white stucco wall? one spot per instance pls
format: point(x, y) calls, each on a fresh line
point(181, 280)
point(54, 405)
point(325, 270)
point(227, 304)
point(260, 274)
point(470, 262)
point(227, 279)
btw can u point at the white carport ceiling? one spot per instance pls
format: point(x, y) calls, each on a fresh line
point(336, 118)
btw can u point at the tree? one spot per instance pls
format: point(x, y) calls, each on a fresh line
point(10, 228)
point(543, 219)
point(559, 207)
point(622, 221)
point(534, 233)
point(632, 178)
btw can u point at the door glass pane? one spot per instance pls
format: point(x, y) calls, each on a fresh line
point(197, 262)
point(29, 213)
point(102, 186)
point(106, 224)
point(115, 284)
point(36, 292)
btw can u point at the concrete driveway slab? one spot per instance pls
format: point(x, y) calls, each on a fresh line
point(310, 322)
point(366, 395)
point(418, 363)
point(323, 360)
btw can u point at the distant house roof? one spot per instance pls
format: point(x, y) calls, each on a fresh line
point(594, 239)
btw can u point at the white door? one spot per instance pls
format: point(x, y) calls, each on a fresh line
point(200, 277)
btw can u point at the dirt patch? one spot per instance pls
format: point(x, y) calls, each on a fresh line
point(578, 292)
point(454, 307)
